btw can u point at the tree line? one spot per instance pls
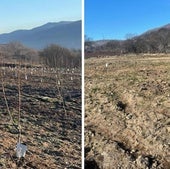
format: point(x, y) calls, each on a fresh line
point(57, 56)
point(157, 41)
point(52, 55)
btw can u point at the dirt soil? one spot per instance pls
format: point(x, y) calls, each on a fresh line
point(50, 118)
point(127, 112)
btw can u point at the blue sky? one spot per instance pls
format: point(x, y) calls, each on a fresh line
point(114, 19)
point(26, 14)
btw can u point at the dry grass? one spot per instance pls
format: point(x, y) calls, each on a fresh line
point(140, 128)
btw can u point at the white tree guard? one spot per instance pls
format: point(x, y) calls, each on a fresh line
point(21, 150)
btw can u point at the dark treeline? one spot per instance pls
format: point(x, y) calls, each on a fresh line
point(57, 56)
point(52, 56)
point(157, 41)
point(17, 51)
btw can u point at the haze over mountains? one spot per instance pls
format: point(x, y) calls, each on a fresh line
point(65, 33)
point(153, 41)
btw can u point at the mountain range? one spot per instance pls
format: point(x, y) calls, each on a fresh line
point(156, 40)
point(65, 33)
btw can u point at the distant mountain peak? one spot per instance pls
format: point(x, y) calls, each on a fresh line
point(167, 26)
point(50, 25)
point(57, 23)
point(63, 33)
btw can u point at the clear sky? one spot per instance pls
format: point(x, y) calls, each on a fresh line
point(114, 19)
point(26, 14)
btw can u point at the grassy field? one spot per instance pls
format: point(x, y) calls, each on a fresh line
point(127, 112)
point(50, 117)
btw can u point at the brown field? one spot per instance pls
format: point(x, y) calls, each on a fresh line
point(50, 117)
point(127, 112)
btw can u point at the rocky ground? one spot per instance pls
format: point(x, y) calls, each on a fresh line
point(127, 112)
point(50, 117)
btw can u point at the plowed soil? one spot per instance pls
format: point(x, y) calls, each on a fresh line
point(50, 117)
